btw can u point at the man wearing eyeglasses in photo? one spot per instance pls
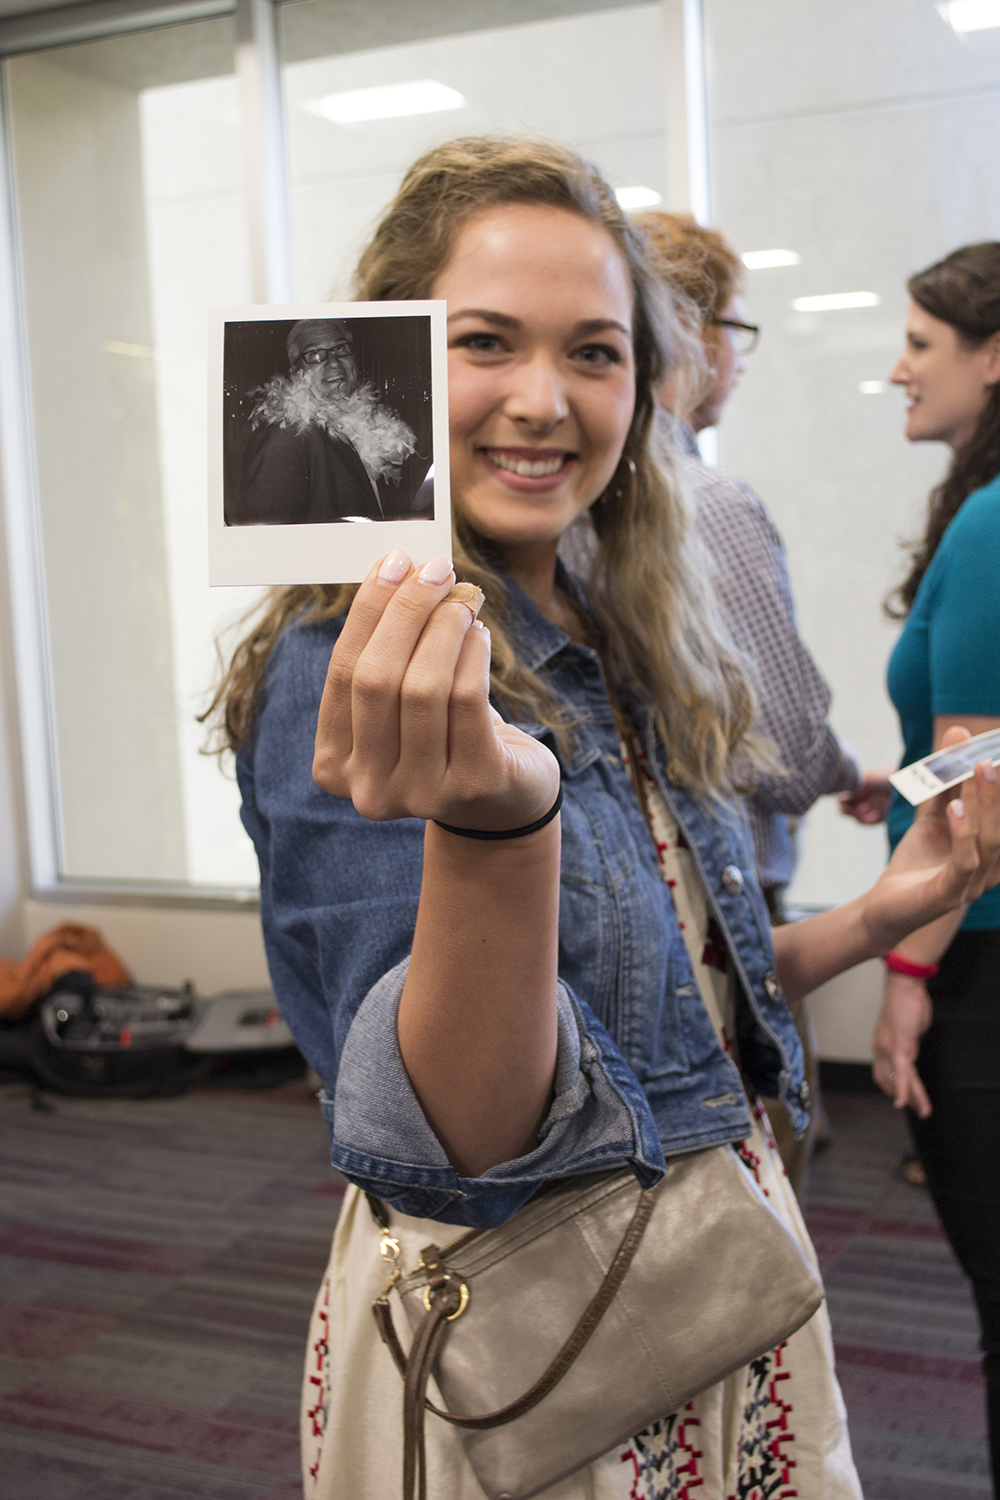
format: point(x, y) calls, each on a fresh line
point(752, 585)
point(322, 440)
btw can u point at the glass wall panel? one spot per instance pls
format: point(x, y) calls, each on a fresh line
point(592, 78)
point(129, 182)
point(866, 140)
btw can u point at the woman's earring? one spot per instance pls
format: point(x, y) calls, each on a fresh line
point(616, 484)
point(631, 469)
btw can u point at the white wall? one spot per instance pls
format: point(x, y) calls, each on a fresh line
point(594, 80)
point(866, 137)
point(216, 950)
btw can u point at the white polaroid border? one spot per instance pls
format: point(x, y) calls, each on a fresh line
point(946, 767)
point(333, 551)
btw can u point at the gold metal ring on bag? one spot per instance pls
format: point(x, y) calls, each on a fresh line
point(463, 1301)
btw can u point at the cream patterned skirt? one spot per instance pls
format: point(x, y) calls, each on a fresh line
point(772, 1431)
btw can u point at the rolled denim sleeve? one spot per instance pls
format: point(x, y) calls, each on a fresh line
point(339, 897)
point(598, 1118)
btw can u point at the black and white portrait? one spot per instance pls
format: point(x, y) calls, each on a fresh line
point(341, 433)
point(328, 420)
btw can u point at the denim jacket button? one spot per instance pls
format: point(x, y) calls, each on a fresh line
point(804, 1094)
point(772, 987)
point(732, 879)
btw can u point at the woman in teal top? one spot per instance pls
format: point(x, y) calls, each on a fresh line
point(947, 660)
point(937, 1043)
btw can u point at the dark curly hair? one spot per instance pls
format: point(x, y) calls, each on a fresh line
point(963, 290)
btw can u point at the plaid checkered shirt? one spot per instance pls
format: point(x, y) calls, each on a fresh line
point(754, 590)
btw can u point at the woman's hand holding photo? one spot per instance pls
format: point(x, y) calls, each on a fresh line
point(406, 728)
point(949, 856)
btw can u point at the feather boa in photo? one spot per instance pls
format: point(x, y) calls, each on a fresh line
point(381, 439)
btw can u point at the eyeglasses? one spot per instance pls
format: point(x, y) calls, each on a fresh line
point(746, 336)
point(320, 356)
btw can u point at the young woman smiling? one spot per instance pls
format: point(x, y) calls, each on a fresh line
point(490, 1014)
point(937, 1044)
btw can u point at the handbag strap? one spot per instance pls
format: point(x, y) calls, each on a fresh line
point(444, 1296)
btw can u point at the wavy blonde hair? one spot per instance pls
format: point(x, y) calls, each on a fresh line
point(652, 605)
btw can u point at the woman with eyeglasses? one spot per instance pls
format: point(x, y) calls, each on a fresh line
point(937, 1043)
point(754, 589)
point(507, 895)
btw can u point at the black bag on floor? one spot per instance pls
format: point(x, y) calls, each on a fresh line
point(143, 1039)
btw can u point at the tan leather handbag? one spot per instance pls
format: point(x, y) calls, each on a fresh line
point(596, 1310)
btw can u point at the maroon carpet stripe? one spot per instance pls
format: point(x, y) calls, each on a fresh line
point(332, 1189)
point(910, 1362)
point(34, 1242)
point(50, 1332)
point(829, 1219)
point(263, 1445)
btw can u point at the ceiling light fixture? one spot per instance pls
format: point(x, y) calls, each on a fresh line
point(764, 260)
point(637, 197)
point(387, 101)
point(835, 301)
point(970, 15)
point(873, 387)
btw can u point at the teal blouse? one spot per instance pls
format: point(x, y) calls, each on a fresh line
point(947, 659)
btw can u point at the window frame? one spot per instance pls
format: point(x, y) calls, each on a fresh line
point(257, 66)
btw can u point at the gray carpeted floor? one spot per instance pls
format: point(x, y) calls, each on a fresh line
point(903, 1320)
point(158, 1261)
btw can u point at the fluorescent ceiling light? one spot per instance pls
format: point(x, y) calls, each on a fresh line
point(834, 301)
point(637, 197)
point(387, 101)
point(971, 15)
point(763, 260)
point(873, 387)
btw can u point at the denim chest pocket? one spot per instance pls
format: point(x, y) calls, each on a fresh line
point(621, 949)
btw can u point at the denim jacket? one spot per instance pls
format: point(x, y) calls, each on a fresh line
point(640, 1073)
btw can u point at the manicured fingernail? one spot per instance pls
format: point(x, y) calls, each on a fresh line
point(395, 567)
point(958, 807)
point(990, 771)
point(436, 571)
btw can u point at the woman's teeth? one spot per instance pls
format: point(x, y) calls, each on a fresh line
point(527, 468)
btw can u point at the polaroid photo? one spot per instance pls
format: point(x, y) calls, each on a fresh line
point(945, 768)
point(328, 440)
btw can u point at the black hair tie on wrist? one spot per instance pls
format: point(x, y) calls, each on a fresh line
point(505, 833)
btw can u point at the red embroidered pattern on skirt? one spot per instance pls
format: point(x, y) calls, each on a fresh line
point(319, 1353)
point(751, 1161)
point(765, 1465)
point(665, 1459)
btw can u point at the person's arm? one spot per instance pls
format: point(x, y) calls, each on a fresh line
point(947, 858)
point(406, 730)
point(869, 802)
point(906, 1011)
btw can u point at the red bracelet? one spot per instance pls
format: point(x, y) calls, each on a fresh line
point(900, 965)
